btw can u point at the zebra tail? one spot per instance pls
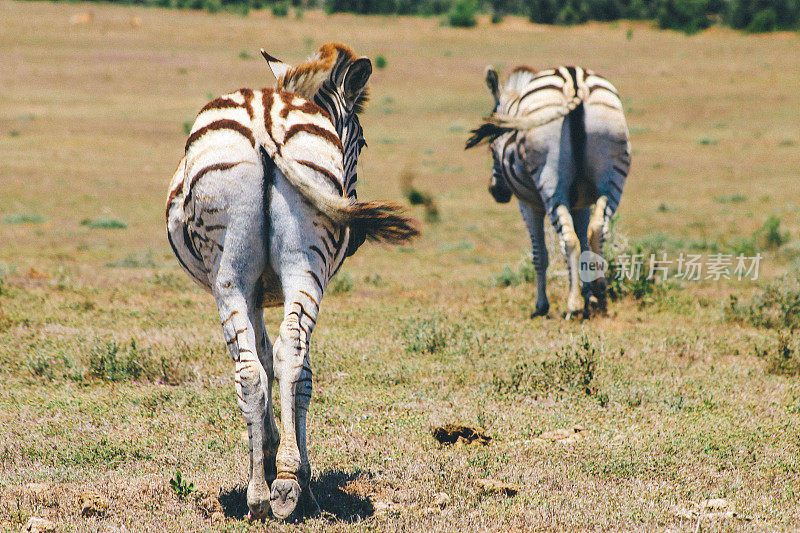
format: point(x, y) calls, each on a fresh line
point(577, 133)
point(378, 221)
point(486, 132)
point(383, 222)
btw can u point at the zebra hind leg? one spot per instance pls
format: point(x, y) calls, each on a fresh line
point(271, 437)
point(293, 374)
point(571, 246)
point(581, 219)
point(250, 381)
point(596, 237)
point(534, 220)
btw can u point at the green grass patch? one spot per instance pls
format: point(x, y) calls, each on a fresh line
point(25, 218)
point(104, 223)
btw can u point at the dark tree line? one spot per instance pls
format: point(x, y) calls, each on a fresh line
point(685, 15)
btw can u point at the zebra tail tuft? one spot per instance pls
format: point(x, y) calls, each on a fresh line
point(486, 132)
point(382, 222)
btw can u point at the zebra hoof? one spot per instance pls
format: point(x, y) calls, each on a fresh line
point(541, 311)
point(574, 315)
point(258, 500)
point(284, 497)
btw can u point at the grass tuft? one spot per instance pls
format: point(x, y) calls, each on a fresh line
point(104, 223)
point(427, 334)
point(573, 369)
point(25, 218)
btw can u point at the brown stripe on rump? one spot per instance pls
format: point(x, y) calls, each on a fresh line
point(267, 101)
point(325, 172)
point(313, 129)
point(554, 86)
point(306, 107)
point(248, 101)
point(223, 124)
point(593, 88)
point(219, 103)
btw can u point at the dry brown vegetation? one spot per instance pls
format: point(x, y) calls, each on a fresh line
point(114, 376)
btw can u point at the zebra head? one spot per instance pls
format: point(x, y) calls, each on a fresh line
point(497, 135)
point(335, 79)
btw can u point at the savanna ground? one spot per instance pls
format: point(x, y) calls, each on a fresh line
point(115, 377)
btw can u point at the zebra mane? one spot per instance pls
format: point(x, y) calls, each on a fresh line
point(329, 63)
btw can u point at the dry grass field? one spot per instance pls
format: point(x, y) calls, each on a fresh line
point(114, 376)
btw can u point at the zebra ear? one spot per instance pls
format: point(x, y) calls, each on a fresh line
point(356, 77)
point(493, 83)
point(278, 67)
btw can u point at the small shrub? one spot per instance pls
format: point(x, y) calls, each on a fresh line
point(245, 54)
point(418, 197)
point(180, 487)
point(427, 335)
point(280, 9)
point(622, 281)
point(111, 361)
point(777, 306)
point(573, 369)
point(508, 278)
point(380, 62)
point(462, 14)
point(343, 282)
point(48, 366)
point(783, 359)
point(769, 234)
point(104, 223)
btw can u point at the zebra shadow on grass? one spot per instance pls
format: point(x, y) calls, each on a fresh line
point(330, 489)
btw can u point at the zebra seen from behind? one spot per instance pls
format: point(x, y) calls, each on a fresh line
point(261, 212)
point(560, 144)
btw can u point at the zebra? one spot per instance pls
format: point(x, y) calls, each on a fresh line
point(261, 212)
point(560, 143)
